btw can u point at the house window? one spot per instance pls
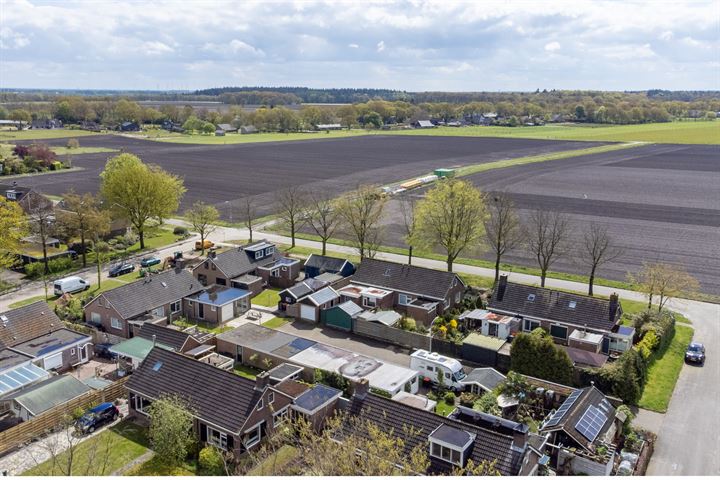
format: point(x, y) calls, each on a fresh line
point(558, 331)
point(280, 417)
point(219, 439)
point(269, 250)
point(275, 273)
point(404, 299)
point(531, 325)
point(175, 307)
point(252, 437)
point(213, 308)
point(213, 267)
point(159, 312)
point(445, 453)
point(457, 297)
point(369, 301)
point(115, 323)
point(95, 317)
point(271, 398)
point(260, 404)
point(259, 254)
point(72, 351)
point(100, 301)
point(141, 404)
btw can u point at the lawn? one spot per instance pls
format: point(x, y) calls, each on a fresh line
point(274, 463)
point(11, 135)
point(443, 408)
point(100, 455)
point(234, 138)
point(632, 307)
point(246, 371)
point(267, 298)
point(155, 238)
point(685, 132)
point(157, 468)
point(275, 322)
point(208, 328)
point(664, 370)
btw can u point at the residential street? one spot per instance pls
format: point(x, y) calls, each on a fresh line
point(687, 435)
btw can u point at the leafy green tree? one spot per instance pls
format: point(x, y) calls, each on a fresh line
point(20, 115)
point(13, 227)
point(171, 429)
point(450, 217)
point(203, 218)
point(536, 354)
point(487, 403)
point(362, 211)
point(140, 192)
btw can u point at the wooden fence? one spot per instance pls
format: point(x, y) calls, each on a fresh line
point(47, 421)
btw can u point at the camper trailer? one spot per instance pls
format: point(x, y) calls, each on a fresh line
point(429, 364)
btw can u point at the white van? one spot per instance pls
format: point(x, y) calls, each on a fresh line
point(70, 285)
point(429, 364)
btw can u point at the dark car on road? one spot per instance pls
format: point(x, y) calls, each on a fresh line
point(121, 269)
point(695, 353)
point(149, 261)
point(97, 417)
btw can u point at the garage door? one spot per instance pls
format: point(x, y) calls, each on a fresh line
point(53, 361)
point(307, 312)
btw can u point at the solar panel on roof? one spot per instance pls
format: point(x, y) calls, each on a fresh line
point(157, 366)
point(560, 413)
point(591, 423)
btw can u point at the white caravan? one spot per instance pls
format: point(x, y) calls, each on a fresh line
point(429, 364)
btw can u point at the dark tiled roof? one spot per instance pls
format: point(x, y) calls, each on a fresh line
point(398, 418)
point(236, 261)
point(50, 342)
point(589, 396)
point(554, 305)
point(586, 359)
point(325, 263)
point(151, 292)
point(217, 396)
point(486, 377)
point(291, 388)
point(26, 323)
point(167, 336)
point(406, 278)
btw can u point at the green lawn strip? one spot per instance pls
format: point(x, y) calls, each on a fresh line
point(82, 150)
point(275, 462)
point(275, 322)
point(99, 455)
point(11, 135)
point(443, 408)
point(632, 307)
point(203, 327)
point(684, 132)
point(246, 371)
point(235, 138)
point(512, 162)
point(155, 467)
point(156, 237)
point(86, 295)
point(663, 372)
point(267, 298)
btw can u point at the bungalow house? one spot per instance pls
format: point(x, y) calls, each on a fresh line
point(291, 295)
point(449, 442)
point(49, 123)
point(423, 124)
point(43, 396)
point(28, 198)
point(248, 129)
point(250, 267)
point(218, 304)
point(129, 127)
point(310, 306)
point(420, 293)
point(490, 324)
point(226, 128)
point(157, 298)
point(481, 380)
point(328, 126)
point(34, 334)
point(318, 264)
point(580, 322)
point(230, 412)
point(584, 422)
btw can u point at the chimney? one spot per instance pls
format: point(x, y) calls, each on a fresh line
point(211, 254)
point(362, 387)
point(262, 380)
point(614, 304)
point(154, 338)
point(520, 437)
point(501, 286)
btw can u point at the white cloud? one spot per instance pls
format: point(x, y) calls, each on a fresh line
point(381, 46)
point(10, 39)
point(667, 35)
point(552, 47)
point(156, 48)
point(353, 45)
point(238, 46)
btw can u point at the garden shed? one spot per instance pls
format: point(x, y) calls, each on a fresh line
point(341, 316)
point(481, 349)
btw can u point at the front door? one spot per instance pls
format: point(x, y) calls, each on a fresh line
point(201, 310)
point(493, 329)
point(84, 353)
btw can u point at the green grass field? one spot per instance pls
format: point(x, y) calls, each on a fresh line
point(235, 138)
point(664, 371)
point(99, 456)
point(686, 132)
point(275, 322)
point(11, 135)
point(267, 298)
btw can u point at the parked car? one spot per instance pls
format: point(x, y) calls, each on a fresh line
point(149, 261)
point(208, 244)
point(121, 269)
point(97, 417)
point(102, 350)
point(695, 353)
point(70, 285)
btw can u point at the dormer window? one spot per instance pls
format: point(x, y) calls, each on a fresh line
point(450, 444)
point(259, 254)
point(531, 297)
point(572, 304)
point(269, 251)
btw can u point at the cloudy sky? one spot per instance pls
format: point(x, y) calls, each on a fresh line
point(407, 45)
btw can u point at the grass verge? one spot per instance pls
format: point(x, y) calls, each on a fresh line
point(664, 370)
point(155, 467)
point(86, 295)
point(11, 135)
point(275, 322)
point(100, 455)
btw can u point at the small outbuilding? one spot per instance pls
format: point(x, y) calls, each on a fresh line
point(45, 395)
point(341, 316)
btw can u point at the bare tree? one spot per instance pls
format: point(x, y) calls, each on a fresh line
point(362, 211)
point(407, 210)
point(665, 282)
point(503, 230)
point(248, 211)
point(323, 216)
point(292, 201)
point(203, 218)
point(596, 249)
point(81, 215)
point(547, 238)
point(41, 219)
